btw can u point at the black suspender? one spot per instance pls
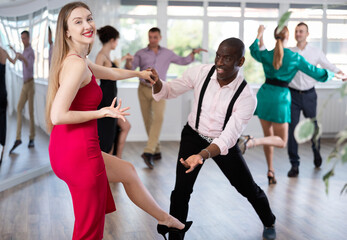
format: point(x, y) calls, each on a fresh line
point(231, 104)
point(202, 93)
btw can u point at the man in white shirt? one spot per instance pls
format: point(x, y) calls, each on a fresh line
point(304, 97)
point(223, 105)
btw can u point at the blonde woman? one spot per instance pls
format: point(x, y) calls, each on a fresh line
point(75, 155)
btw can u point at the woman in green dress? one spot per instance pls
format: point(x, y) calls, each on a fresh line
point(280, 66)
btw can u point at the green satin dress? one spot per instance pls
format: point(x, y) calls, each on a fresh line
point(274, 101)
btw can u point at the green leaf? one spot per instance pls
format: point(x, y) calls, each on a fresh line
point(342, 137)
point(326, 179)
point(333, 154)
point(283, 21)
point(304, 130)
point(344, 154)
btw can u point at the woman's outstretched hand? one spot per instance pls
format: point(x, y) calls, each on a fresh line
point(115, 112)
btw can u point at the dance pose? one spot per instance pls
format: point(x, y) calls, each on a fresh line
point(107, 127)
point(280, 66)
point(304, 96)
point(160, 58)
point(3, 98)
point(223, 105)
point(75, 155)
point(28, 91)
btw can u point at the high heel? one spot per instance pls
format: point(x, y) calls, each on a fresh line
point(242, 142)
point(272, 179)
point(163, 229)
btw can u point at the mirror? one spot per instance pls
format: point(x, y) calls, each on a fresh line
point(26, 162)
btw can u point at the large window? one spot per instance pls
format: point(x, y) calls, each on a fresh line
point(187, 24)
point(190, 24)
point(224, 9)
point(185, 8)
point(337, 12)
point(133, 36)
point(183, 36)
point(131, 7)
point(305, 11)
point(218, 31)
point(268, 10)
point(36, 24)
point(253, 70)
point(337, 45)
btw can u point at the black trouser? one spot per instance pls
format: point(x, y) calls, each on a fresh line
point(3, 107)
point(305, 101)
point(234, 168)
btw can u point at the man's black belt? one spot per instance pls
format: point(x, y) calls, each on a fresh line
point(302, 91)
point(276, 82)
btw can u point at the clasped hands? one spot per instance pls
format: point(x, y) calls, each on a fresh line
point(150, 75)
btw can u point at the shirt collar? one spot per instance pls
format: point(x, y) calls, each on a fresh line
point(148, 49)
point(234, 83)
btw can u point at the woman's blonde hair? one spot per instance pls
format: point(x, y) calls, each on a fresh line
point(60, 50)
point(278, 51)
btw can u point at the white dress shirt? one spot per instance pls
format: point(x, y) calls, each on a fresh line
point(315, 56)
point(214, 105)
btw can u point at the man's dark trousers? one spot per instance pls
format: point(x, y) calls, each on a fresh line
point(234, 168)
point(305, 101)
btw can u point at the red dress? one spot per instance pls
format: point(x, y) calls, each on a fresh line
point(76, 158)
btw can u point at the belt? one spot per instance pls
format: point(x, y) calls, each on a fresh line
point(302, 91)
point(276, 82)
point(29, 80)
point(208, 139)
point(145, 84)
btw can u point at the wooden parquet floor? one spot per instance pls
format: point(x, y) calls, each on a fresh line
point(42, 208)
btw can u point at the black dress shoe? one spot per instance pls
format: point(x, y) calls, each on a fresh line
point(317, 159)
point(148, 158)
point(15, 145)
point(293, 172)
point(157, 156)
point(269, 233)
point(31, 143)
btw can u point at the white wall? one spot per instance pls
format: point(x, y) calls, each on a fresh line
point(333, 120)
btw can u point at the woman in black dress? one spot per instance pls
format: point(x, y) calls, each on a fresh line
point(112, 133)
point(3, 97)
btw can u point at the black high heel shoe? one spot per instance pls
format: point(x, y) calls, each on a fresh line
point(272, 179)
point(163, 229)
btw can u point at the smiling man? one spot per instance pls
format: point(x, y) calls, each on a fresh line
point(304, 96)
point(223, 105)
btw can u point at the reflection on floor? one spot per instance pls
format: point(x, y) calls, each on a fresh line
point(23, 159)
point(42, 208)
